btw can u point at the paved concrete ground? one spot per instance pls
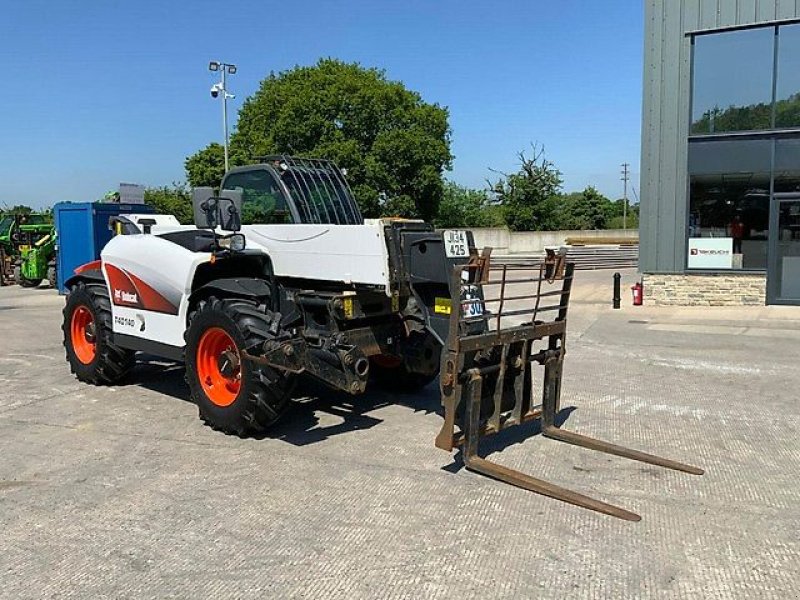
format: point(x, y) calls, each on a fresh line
point(122, 493)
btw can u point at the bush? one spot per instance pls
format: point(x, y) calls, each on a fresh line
point(175, 200)
point(465, 207)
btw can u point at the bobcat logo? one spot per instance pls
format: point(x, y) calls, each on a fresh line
point(126, 297)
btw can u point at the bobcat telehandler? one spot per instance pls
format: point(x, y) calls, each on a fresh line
point(315, 290)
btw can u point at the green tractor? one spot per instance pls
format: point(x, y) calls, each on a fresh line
point(6, 249)
point(28, 246)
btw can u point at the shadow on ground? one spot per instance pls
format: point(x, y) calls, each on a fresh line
point(507, 438)
point(302, 425)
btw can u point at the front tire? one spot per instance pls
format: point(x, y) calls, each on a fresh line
point(22, 281)
point(88, 340)
point(233, 394)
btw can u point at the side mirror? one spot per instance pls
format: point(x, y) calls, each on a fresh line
point(221, 210)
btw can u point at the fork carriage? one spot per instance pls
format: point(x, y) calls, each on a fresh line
point(488, 368)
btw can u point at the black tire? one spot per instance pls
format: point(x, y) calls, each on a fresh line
point(29, 283)
point(263, 393)
point(399, 377)
point(52, 279)
point(22, 281)
point(110, 363)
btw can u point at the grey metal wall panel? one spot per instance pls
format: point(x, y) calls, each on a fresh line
point(709, 16)
point(746, 11)
point(669, 135)
point(648, 221)
point(691, 16)
point(648, 186)
point(765, 10)
point(665, 114)
point(786, 9)
point(728, 13)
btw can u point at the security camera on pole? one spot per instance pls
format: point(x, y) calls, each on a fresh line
point(220, 88)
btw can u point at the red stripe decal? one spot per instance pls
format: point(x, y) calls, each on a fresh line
point(151, 299)
point(90, 266)
point(128, 290)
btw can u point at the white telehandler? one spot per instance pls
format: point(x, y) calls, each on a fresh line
point(313, 289)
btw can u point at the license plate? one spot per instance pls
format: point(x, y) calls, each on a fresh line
point(455, 243)
point(471, 304)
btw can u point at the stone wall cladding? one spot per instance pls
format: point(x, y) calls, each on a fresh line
point(723, 289)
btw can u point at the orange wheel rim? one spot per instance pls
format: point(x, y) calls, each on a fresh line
point(219, 366)
point(82, 333)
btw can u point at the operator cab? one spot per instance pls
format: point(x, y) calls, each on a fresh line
point(283, 189)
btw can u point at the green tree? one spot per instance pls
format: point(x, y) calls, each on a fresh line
point(206, 167)
point(175, 200)
point(394, 145)
point(465, 207)
point(530, 196)
point(588, 209)
point(735, 118)
point(615, 219)
point(18, 209)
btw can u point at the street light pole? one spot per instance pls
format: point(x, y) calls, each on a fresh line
point(225, 116)
point(222, 88)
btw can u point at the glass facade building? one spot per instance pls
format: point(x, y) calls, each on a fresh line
point(721, 142)
point(744, 142)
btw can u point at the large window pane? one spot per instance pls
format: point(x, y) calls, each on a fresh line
point(787, 106)
point(729, 200)
point(732, 81)
point(787, 165)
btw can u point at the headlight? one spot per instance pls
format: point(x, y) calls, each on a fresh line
point(235, 242)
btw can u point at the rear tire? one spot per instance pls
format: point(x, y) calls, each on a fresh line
point(29, 283)
point(88, 340)
point(51, 276)
point(233, 395)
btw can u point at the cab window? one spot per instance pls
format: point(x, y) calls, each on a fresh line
point(262, 200)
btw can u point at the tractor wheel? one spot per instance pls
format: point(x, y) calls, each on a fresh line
point(92, 355)
point(29, 283)
point(394, 372)
point(233, 394)
point(19, 279)
point(51, 276)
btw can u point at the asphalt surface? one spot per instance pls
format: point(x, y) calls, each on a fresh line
point(121, 492)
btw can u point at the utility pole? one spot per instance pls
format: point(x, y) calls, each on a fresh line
point(626, 175)
point(221, 88)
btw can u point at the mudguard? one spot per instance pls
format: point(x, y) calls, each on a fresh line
point(243, 287)
point(91, 271)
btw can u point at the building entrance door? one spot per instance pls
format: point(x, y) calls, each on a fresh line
point(783, 276)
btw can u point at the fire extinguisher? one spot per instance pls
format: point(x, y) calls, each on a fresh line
point(638, 293)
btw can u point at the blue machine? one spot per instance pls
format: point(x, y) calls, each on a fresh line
point(83, 231)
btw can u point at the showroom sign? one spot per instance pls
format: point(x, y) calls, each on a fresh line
point(710, 253)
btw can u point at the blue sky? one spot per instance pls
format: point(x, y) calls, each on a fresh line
point(102, 91)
